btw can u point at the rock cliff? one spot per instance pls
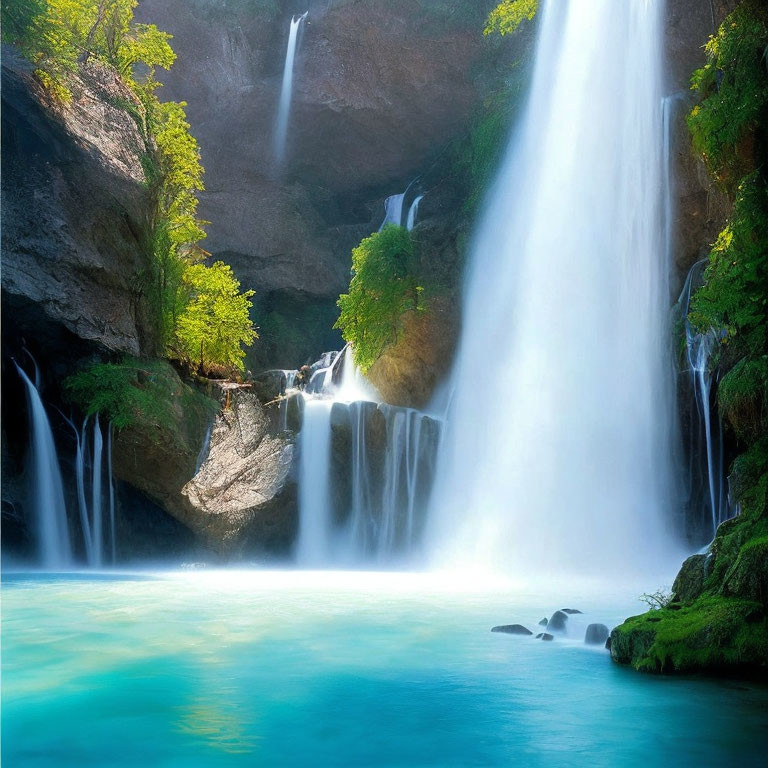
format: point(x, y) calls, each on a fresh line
point(380, 88)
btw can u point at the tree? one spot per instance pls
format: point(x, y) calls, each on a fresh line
point(383, 288)
point(215, 321)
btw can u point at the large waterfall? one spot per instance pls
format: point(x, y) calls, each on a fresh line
point(561, 441)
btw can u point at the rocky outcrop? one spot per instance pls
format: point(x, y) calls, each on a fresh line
point(240, 501)
point(243, 498)
point(76, 215)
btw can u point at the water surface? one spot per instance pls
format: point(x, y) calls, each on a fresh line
point(331, 669)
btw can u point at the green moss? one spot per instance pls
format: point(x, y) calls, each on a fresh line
point(145, 394)
point(714, 632)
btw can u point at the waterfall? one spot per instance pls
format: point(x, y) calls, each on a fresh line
point(50, 513)
point(393, 210)
point(412, 212)
point(705, 433)
point(365, 471)
point(314, 495)
point(110, 479)
point(562, 458)
point(394, 205)
point(286, 92)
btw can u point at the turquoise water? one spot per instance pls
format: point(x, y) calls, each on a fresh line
point(302, 669)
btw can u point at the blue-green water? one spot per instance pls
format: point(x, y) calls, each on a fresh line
point(291, 669)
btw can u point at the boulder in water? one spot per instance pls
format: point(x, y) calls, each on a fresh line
point(571, 610)
point(597, 634)
point(544, 636)
point(557, 621)
point(543, 622)
point(512, 629)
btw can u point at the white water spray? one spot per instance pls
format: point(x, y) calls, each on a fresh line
point(286, 92)
point(562, 458)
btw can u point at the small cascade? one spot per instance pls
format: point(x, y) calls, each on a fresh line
point(313, 546)
point(413, 212)
point(201, 457)
point(286, 92)
point(96, 496)
point(365, 470)
point(393, 210)
point(110, 480)
point(50, 512)
point(394, 206)
point(706, 467)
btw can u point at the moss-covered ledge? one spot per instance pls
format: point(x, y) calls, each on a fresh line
point(713, 634)
point(717, 619)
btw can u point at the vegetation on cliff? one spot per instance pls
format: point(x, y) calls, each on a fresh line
point(133, 393)
point(59, 37)
point(718, 617)
point(383, 288)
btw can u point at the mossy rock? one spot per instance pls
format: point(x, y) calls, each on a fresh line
point(690, 582)
point(748, 576)
point(715, 633)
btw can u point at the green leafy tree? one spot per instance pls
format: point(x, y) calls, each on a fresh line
point(383, 288)
point(507, 16)
point(215, 322)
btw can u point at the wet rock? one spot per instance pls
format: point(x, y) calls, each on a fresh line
point(608, 643)
point(512, 629)
point(557, 621)
point(544, 636)
point(543, 623)
point(571, 610)
point(597, 634)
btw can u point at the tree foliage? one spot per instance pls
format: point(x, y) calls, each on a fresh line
point(59, 36)
point(215, 321)
point(383, 288)
point(508, 15)
point(733, 85)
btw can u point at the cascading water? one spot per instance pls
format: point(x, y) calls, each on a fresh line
point(563, 457)
point(705, 438)
point(286, 92)
point(413, 212)
point(365, 471)
point(50, 512)
point(394, 206)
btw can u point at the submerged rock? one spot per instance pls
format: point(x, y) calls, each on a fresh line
point(512, 629)
point(597, 634)
point(557, 621)
point(544, 636)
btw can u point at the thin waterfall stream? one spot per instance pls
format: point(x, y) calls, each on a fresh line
point(286, 91)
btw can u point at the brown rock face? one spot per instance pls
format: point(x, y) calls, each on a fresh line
point(380, 87)
point(75, 215)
